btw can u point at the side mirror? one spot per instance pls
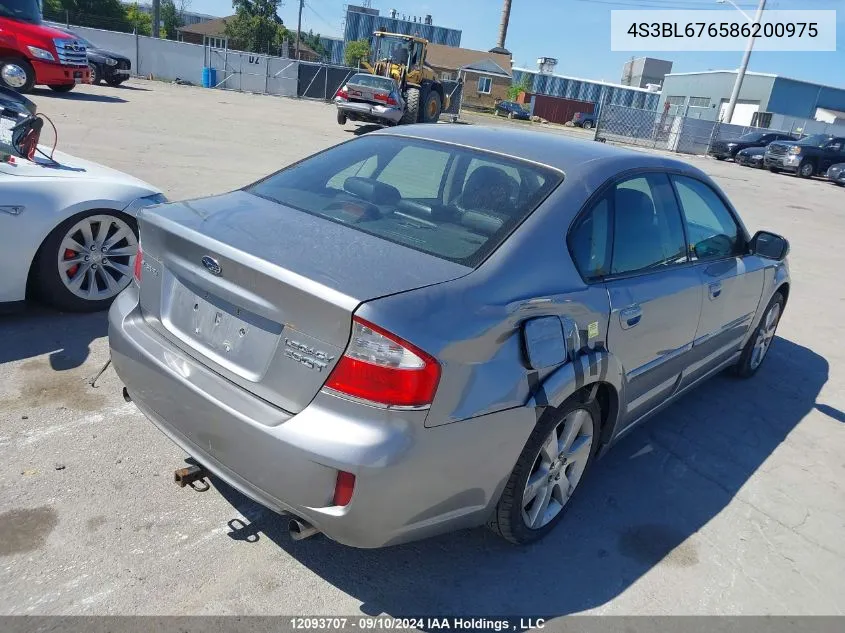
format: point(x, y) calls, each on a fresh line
point(769, 245)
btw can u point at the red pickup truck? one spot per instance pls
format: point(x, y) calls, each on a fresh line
point(32, 53)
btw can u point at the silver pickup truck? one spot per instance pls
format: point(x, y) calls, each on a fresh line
point(369, 99)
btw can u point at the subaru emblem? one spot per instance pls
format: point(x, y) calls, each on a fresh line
point(212, 265)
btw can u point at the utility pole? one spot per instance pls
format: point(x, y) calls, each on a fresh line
point(740, 77)
point(299, 28)
point(156, 17)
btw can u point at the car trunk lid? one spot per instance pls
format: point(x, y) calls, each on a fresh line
point(264, 294)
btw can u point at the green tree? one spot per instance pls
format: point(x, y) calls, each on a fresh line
point(172, 15)
point(312, 40)
point(140, 22)
point(103, 14)
point(526, 85)
point(256, 26)
point(356, 51)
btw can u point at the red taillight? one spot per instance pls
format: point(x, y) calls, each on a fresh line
point(139, 260)
point(343, 488)
point(381, 367)
point(343, 93)
point(388, 99)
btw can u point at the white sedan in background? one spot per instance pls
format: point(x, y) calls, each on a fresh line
point(68, 234)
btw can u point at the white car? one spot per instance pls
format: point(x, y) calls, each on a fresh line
point(68, 234)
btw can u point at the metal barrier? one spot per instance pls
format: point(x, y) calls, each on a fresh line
point(321, 81)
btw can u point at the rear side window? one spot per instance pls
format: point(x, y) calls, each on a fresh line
point(635, 227)
point(453, 202)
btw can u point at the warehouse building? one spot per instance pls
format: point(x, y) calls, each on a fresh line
point(643, 71)
point(586, 90)
point(705, 95)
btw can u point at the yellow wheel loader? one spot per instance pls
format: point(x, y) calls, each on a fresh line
point(403, 59)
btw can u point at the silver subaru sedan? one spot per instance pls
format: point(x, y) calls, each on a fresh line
point(438, 327)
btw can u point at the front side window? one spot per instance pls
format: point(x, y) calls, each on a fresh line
point(453, 202)
point(713, 232)
point(485, 85)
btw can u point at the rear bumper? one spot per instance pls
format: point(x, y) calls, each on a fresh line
point(411, 481)
point(369, 112)
point(52, 74)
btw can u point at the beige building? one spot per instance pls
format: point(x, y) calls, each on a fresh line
point(486, 75)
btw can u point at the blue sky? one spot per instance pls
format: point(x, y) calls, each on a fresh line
point(576, 32)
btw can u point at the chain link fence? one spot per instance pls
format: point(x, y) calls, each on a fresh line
point(689, 134)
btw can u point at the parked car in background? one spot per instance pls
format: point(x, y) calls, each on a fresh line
point(67, 226)
point(34, 54)
point(751, 157)
point(728, 148)
point(105, 65)
point(836, 174)
point(512, 110)
point(584, 120)
point(433, 327)
point(809, 156)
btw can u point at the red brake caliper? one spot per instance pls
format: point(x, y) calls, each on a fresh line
point(69, 254)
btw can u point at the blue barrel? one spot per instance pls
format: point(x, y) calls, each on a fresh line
point(209, 77)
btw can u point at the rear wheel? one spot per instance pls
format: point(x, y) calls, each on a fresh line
point(550, 467)
point(587, 125)
point(86, 261)
point(806, 169)
point(341, 118)
point(774, 170)
point(432, 107)
point(16, 74)
point(412, 106)
point(63, 87)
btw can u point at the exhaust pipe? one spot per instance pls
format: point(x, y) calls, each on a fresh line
point(300, 530)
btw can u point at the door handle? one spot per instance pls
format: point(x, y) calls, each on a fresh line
point(715, 289)
point(630, 316)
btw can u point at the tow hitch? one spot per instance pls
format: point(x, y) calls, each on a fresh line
point(192, 476)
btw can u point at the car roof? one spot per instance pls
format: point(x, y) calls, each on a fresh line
point(567, 154)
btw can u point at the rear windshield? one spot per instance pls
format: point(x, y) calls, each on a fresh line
point(372, 81)
point(455, 203)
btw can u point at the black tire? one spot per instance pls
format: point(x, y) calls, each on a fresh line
point(507, 520)
point(807, 169)
point(63, 88)
point(96, 74)
point(774, 170)
point(719, 157)
point(44, 280)
point(588, 125)
point(115, 81)
point(24, 65)
point(341, 118)
point(412, 106)
point(432, 107)
point(744, 367)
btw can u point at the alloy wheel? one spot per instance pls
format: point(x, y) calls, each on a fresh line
point(765, 335)
point(557, 469)
point(96, 256)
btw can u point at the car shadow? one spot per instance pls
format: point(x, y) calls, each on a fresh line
point(638, 509)
point(364, 129)
point(78, 96)
point(38, 330)
point(135, 88)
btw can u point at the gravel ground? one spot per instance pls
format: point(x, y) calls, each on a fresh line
point(729, 502)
